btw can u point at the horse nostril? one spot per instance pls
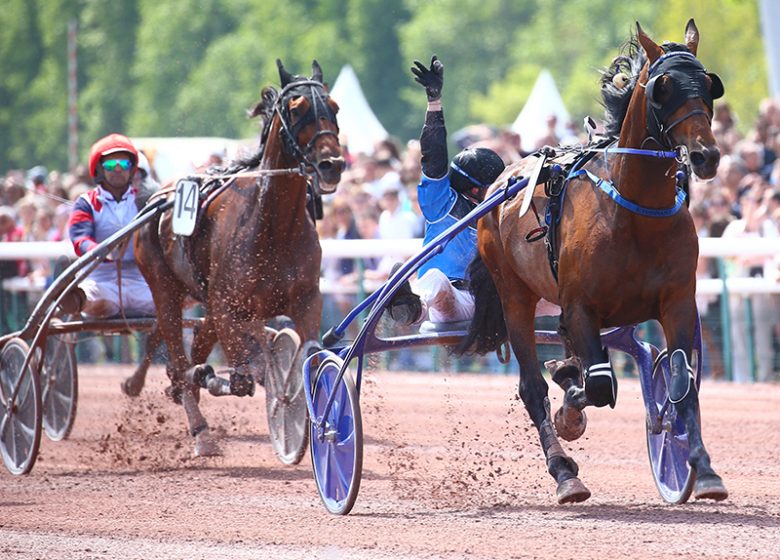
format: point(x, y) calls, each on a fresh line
point(706, 156)
point(714, 156)
point(331, 164)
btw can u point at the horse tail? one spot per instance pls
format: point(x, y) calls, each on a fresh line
point(487, 330)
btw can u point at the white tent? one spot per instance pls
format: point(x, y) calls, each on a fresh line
point(356, 119)
point(531, 123)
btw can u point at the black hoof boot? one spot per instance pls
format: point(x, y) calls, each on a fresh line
point(601, 384)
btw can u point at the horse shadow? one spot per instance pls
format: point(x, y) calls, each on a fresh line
point(695, 513)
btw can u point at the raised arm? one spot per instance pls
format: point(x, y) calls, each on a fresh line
point(433, 138)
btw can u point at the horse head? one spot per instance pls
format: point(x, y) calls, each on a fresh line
point(678, 94)
point(307, 116)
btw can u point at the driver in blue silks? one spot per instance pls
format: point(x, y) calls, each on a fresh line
point(446, 193)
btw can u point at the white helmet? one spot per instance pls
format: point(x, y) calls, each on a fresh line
point(143, 164)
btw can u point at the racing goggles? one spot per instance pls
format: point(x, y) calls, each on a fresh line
point(115, 164)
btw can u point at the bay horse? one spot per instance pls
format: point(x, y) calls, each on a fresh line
point(255, 253)
point(626, 251)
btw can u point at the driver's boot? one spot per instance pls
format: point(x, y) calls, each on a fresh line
point(72, 303)
point(405, 306)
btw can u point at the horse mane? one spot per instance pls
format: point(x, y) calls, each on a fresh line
point(265, 110)
point(615, 100)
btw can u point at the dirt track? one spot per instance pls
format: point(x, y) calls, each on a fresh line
point(452, 469)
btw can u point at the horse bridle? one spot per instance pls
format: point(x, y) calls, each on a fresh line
point(687, 74)
point(319, 109)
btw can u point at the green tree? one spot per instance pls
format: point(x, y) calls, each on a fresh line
point(473, 40)
point(573, 40)
point(151, 67)
point(223, 79)
point(33, 91)
point(173, 37)
point(106, 53)
point(372, 28)
point(730, 45)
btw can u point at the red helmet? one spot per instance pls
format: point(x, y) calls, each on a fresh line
point(110, 144)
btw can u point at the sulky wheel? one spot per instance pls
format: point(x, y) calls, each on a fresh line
point(20, 415)
point(668, 449)
point(336, 447)
point(59, 381)
point(285, 402)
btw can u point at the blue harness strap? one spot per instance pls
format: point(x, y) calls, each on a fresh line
point(612, 192)
point(663, 154)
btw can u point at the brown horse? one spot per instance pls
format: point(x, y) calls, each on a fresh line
point(255, 253)
point(626, 251)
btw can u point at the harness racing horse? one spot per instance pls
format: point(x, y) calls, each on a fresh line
point(254, 255)
point(627, 251)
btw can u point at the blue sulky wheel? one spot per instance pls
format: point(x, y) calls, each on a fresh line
point(59, 383)
point(20, 417)
point(667, 438)
point(336, 447)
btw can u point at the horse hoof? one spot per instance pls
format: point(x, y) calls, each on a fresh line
point(710, 488)
point(284, 348)
point(570, 425)
point(571, 491)
point(131, 388)
point(206, 446)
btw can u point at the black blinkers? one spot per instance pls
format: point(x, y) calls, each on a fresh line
point(687, 78)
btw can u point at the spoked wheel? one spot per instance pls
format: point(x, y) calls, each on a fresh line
point(669, 449)
point(59, 381)
point(285, 402)
point(20, 416)
point(336, 447)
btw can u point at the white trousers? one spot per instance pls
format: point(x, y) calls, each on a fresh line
point(442, 303)
point(102, 291)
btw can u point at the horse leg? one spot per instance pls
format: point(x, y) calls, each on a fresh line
point(245, 343)
point(133, 385)
point(533, 389)
point(679, 332)
point(168, 294)
point(306, 312)
point(181, 387)
point(203, 341)
point(584, 339)
point(570, 420)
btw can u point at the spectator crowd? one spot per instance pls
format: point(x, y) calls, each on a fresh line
point(377, 199)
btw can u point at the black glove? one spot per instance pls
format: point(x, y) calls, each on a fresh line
point(432, 79)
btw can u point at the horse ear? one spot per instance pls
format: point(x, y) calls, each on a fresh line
point(652, 50)
point(692, 36)
point(316, 71)
point(284, 75)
